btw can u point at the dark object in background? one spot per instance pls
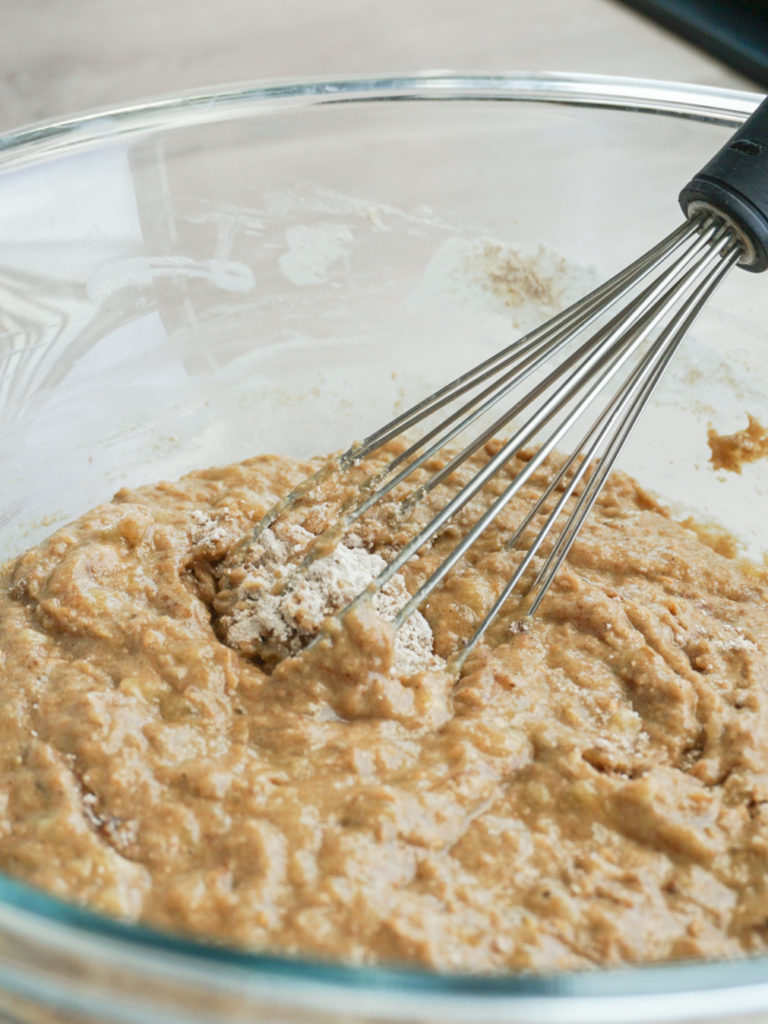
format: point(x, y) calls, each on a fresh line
point(734, 31)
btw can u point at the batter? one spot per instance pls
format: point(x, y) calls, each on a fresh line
point(732, 451)
point(592, 791)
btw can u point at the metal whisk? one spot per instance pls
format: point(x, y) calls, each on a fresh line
point(608, 352)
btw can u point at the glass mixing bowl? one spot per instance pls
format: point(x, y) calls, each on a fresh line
point(276, 268)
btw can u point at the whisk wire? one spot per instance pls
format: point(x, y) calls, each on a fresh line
point(577, 369)
point(521, 369)
point(682, 271)
point(575, 317)
point(623, 411)
point(570, 321)
point(641, 397)
point(616, 344)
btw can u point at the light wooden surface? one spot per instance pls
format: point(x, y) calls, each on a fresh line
point(64, 56)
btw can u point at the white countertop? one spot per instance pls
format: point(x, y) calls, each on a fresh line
point(64, 56)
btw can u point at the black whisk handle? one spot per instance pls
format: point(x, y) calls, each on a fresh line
point(735, 184)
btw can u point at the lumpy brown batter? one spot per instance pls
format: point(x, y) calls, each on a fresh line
point(592, 791)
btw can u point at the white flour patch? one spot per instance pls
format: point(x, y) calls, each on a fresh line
point(274, 604)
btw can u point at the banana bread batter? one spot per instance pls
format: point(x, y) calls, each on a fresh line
point(591, 791)
point(732, 451)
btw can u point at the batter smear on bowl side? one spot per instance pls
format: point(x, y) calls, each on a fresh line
point(592, 791)
point(731, 451)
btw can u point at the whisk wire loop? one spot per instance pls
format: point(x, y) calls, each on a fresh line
point(712, 252)
point(523, 362)
point(620, 416)
point(575, 368)
point(662, 356)
point(615, 357)
point(641, 313)
point(578, 316)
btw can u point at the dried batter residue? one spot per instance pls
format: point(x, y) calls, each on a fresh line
point(516, 278)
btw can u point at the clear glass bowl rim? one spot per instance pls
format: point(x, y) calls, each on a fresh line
point(728, 986)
